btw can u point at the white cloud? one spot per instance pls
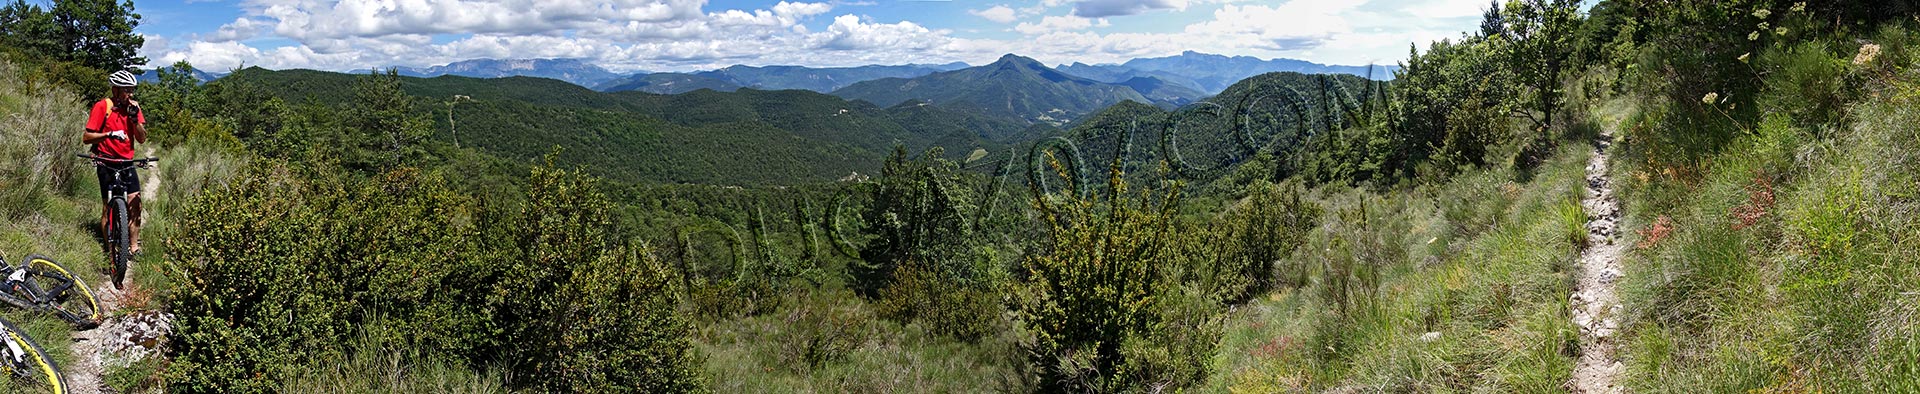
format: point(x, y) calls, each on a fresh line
point(677, 35)
point(316, 19)
point(1059, 23)
point(848, 32)
point(239, 29)
point(216, 56)
point(1449, 8)
point(997, 13)
point(1106, 8)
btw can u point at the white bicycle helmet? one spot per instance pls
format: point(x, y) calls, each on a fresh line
point(122, 79)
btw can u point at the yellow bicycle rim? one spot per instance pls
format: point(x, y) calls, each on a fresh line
point(92, 303)
point(39, 359)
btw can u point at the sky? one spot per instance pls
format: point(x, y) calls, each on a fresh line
point(685, 35)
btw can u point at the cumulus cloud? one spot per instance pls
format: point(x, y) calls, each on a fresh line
point(998, 13)
point(677, 35)
point(239, 29)
point(316, 19)
point(1106, 8)
point(1060, 23)
point(848, 32)
point(1296, 25)
point(1449, 8)
point(211, 55)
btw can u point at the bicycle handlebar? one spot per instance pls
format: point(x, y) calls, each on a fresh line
point(108, 160)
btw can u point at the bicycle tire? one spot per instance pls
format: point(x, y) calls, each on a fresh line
point(76, 305)
point(122, 242)
point(34, 364)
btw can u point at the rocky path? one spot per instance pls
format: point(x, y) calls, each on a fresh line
point(122, 338)
point(83, 376)
point(1595, 304)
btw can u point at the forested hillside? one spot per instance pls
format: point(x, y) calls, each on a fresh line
point(739, 138)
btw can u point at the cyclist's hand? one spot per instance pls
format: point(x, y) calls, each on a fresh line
point(118, 135)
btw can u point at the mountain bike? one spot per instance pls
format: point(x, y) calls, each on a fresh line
point(45, 286)
point(118, 232)
point(22, 360)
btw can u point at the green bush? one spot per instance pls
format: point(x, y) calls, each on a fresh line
point(920, 212)
point(1253, 244)
point(919, 294)
point(280, 267)
point(1808, 82)
point(1096, 285)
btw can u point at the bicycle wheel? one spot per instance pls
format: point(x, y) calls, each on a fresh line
point(122, 242)
point(71, 299)
point(26, 362)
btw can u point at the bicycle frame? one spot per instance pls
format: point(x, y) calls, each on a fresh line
point(118, 204)
point(118, 189)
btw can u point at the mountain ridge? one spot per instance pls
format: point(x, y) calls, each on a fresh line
point(575, 71)
point(1013, 87)
point(1212, 73)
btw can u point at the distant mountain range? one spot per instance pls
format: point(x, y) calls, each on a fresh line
point(1167, 81)
point(1013, 87)
point(153, 75)
point(768, 78)
point(575, 71)
point(1210, 73)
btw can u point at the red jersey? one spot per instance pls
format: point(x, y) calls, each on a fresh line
point(105, 120)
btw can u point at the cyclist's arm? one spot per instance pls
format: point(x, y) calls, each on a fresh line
point(139, 128)
point(91, 137)
point(96, 124)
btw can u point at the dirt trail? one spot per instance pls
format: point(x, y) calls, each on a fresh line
point(93, 348)
point(83, 376)
point(1595, 305)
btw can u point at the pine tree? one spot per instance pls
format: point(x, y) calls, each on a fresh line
point(98, 33)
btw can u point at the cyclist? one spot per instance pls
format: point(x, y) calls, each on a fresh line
point(114, 126)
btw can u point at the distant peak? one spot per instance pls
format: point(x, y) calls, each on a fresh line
point(1205, 55)
point(1016, 59)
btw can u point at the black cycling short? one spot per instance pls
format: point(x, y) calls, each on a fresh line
point(129, 178)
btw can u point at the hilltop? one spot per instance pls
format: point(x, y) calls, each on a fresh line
point(1012, 87)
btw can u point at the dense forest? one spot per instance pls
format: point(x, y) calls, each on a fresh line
point(320, 231)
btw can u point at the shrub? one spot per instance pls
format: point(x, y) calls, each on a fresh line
point(943, 306)
point(281, 267)
point(1252, 239)
point(1096, 286)
point(919, 213)
point(581, 310)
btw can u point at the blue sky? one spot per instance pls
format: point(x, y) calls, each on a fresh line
point(682, 35)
